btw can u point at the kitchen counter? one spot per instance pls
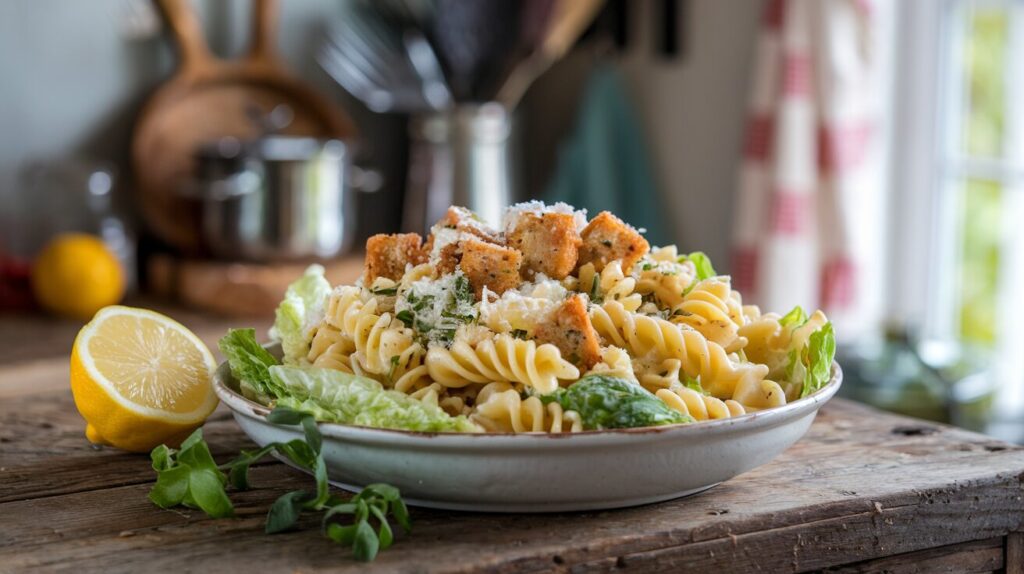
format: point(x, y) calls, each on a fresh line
point(863, 491)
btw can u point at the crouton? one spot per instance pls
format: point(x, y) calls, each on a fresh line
point(606, 238)
point(448, 258)
point(549, 243)
point(387, 255)
point(569, 328)
point(464, 222)
point(488, 265)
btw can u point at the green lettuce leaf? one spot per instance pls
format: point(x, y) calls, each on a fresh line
point(333, 396)
point(819, 353)
point(795, 317)
point(300, 311)
point(605, 402)
point(810, 367)
point(703, 264)
point(250, 363)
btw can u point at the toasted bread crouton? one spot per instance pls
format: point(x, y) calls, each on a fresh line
point(606, 238)
point(387, 255)
point(569, 328)
point(492, 266)
point(549, 243)
point(463, 221)
point(448, 258)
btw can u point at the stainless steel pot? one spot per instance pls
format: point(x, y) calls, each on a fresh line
point(278, 198)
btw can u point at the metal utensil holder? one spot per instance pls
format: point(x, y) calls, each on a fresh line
point(463, 156)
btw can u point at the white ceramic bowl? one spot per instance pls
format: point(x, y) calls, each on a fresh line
point(544, 472)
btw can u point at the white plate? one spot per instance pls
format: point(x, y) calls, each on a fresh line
point(590, 470)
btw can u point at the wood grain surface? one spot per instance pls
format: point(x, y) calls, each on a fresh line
point(863, 491)
point(860, 486)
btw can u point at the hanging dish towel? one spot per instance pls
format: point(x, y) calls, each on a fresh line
point(604, 165)
point(810, 183)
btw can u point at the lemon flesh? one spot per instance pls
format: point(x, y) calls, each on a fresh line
point(140, 379)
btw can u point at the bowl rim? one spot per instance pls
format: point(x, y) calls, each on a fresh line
point(240, 405)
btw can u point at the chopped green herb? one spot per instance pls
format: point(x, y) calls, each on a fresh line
point(519, 333)
point(435, 315)
point(191, 478)
point(595, 289)
point(385, 291)
point(406, 317)
point(394, 367)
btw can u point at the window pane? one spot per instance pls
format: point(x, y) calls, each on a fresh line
point(986, 49)
point(981, 222)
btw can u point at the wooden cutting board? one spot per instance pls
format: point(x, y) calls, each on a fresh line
point(206, 99)
point(236, 289)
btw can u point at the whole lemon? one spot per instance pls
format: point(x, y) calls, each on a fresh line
point(76, 275)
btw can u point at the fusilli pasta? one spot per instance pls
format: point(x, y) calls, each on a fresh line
point(502, 358)
point(507, 411)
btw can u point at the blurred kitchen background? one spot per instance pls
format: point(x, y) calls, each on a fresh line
point(861, 156)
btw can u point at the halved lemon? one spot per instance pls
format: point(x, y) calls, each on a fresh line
point(140, 379)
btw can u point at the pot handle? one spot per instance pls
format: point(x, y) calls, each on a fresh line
point(237, 185)
point(365, 179)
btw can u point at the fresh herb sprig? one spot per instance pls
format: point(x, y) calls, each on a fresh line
point(189, 476)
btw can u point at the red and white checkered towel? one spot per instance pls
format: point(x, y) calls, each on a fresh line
point(813, 114)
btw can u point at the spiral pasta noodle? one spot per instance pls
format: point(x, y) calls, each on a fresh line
point(700, 407)
point(615, 362)
point(501, 358)
point(646, 336)
point(507, 411)
point(712, 309)
point(611, 284)
point(331, 349)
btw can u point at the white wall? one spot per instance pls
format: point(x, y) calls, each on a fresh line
point(694, 109)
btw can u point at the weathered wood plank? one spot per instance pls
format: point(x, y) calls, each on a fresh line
point(1015, 553)
point(861, 485)
point(779, 529)
point(46, 454)
point(33, 337)
point(967, 558)
point(43, 451)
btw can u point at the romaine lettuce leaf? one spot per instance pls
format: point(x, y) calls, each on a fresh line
point(795, 317)
point(334, 396)
point(703, 264)
point(250, 363)
point(819, 352)
point(300, 311)
point(605, 402)
point(810, 367)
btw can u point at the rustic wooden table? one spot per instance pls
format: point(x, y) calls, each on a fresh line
point(862, 492)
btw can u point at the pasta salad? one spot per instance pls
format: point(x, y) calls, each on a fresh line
point(552, 323)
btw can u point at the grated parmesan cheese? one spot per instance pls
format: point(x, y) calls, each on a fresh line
point(535, 207)
point(435, 308)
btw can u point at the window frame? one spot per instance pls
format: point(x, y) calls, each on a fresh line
point(927, 174)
